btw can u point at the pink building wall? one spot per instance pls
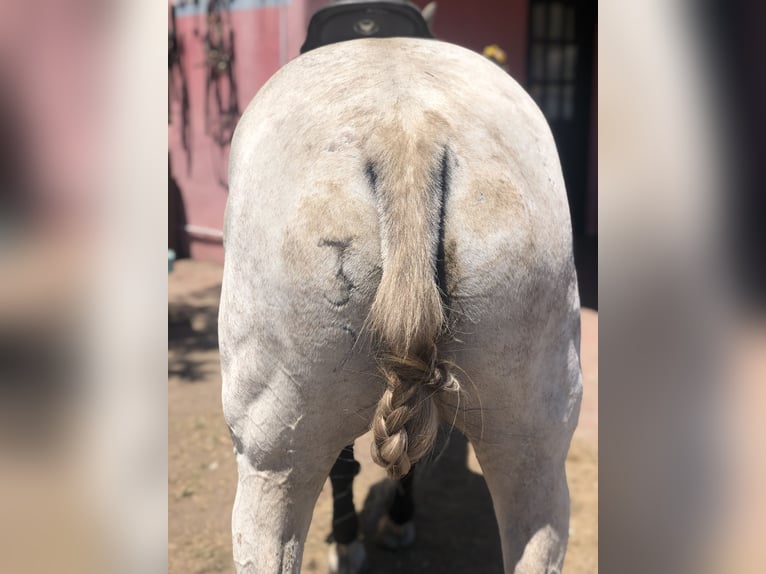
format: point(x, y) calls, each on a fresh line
point(265, 38)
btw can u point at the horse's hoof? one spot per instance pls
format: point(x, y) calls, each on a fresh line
point(393, 536)
point(346, 558)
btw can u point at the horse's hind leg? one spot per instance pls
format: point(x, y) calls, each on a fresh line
point(345, 522)
point(286, 441)
point(529, 492)
point(396, 528)
point(347, 554)
point(279, 480)
point(271, 515)
point(529, 402)
point(403, 507)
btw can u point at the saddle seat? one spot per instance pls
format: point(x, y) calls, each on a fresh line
point(348, 20)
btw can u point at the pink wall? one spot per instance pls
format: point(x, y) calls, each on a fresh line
point(265, 39)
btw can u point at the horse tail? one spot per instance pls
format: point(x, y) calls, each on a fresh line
point(408, 318)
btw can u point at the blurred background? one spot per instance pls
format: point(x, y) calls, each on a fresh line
point(662, 100)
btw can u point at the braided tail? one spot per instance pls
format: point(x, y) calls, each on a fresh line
point(407, 318)
point(406, 419)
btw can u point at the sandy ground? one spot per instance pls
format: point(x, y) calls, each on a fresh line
point(456, 529)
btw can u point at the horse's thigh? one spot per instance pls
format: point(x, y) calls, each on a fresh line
point(286, 437)
point(518, 383)
point(523, 462)
point(527, 481)
point(284, 414)
point(519, 408)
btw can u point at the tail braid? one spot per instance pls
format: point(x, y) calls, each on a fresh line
point(406, 420)
point(407, 316)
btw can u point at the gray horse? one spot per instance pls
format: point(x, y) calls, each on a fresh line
point(398, 254)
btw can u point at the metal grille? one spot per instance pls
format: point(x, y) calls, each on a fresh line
point(553, 52)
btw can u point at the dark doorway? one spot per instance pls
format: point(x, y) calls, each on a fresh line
point(177, 237)
point(560, 78)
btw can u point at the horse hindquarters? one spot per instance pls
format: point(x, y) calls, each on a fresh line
point(520, 408)
point(285, 446)
point(454, 160)
point(290, 406)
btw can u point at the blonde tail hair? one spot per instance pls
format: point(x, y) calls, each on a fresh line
point(407, 318)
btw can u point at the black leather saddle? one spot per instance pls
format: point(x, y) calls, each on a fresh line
point(348, 20)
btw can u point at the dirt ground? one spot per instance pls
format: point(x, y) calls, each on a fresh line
point(456, 529)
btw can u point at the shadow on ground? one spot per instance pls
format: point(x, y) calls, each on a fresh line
point(455, 522)
point(193, 331)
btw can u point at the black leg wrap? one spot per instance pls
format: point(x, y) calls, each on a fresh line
point(403, 507)
point(345, 524)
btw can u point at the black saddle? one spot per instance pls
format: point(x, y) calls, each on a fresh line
point(348, 20)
